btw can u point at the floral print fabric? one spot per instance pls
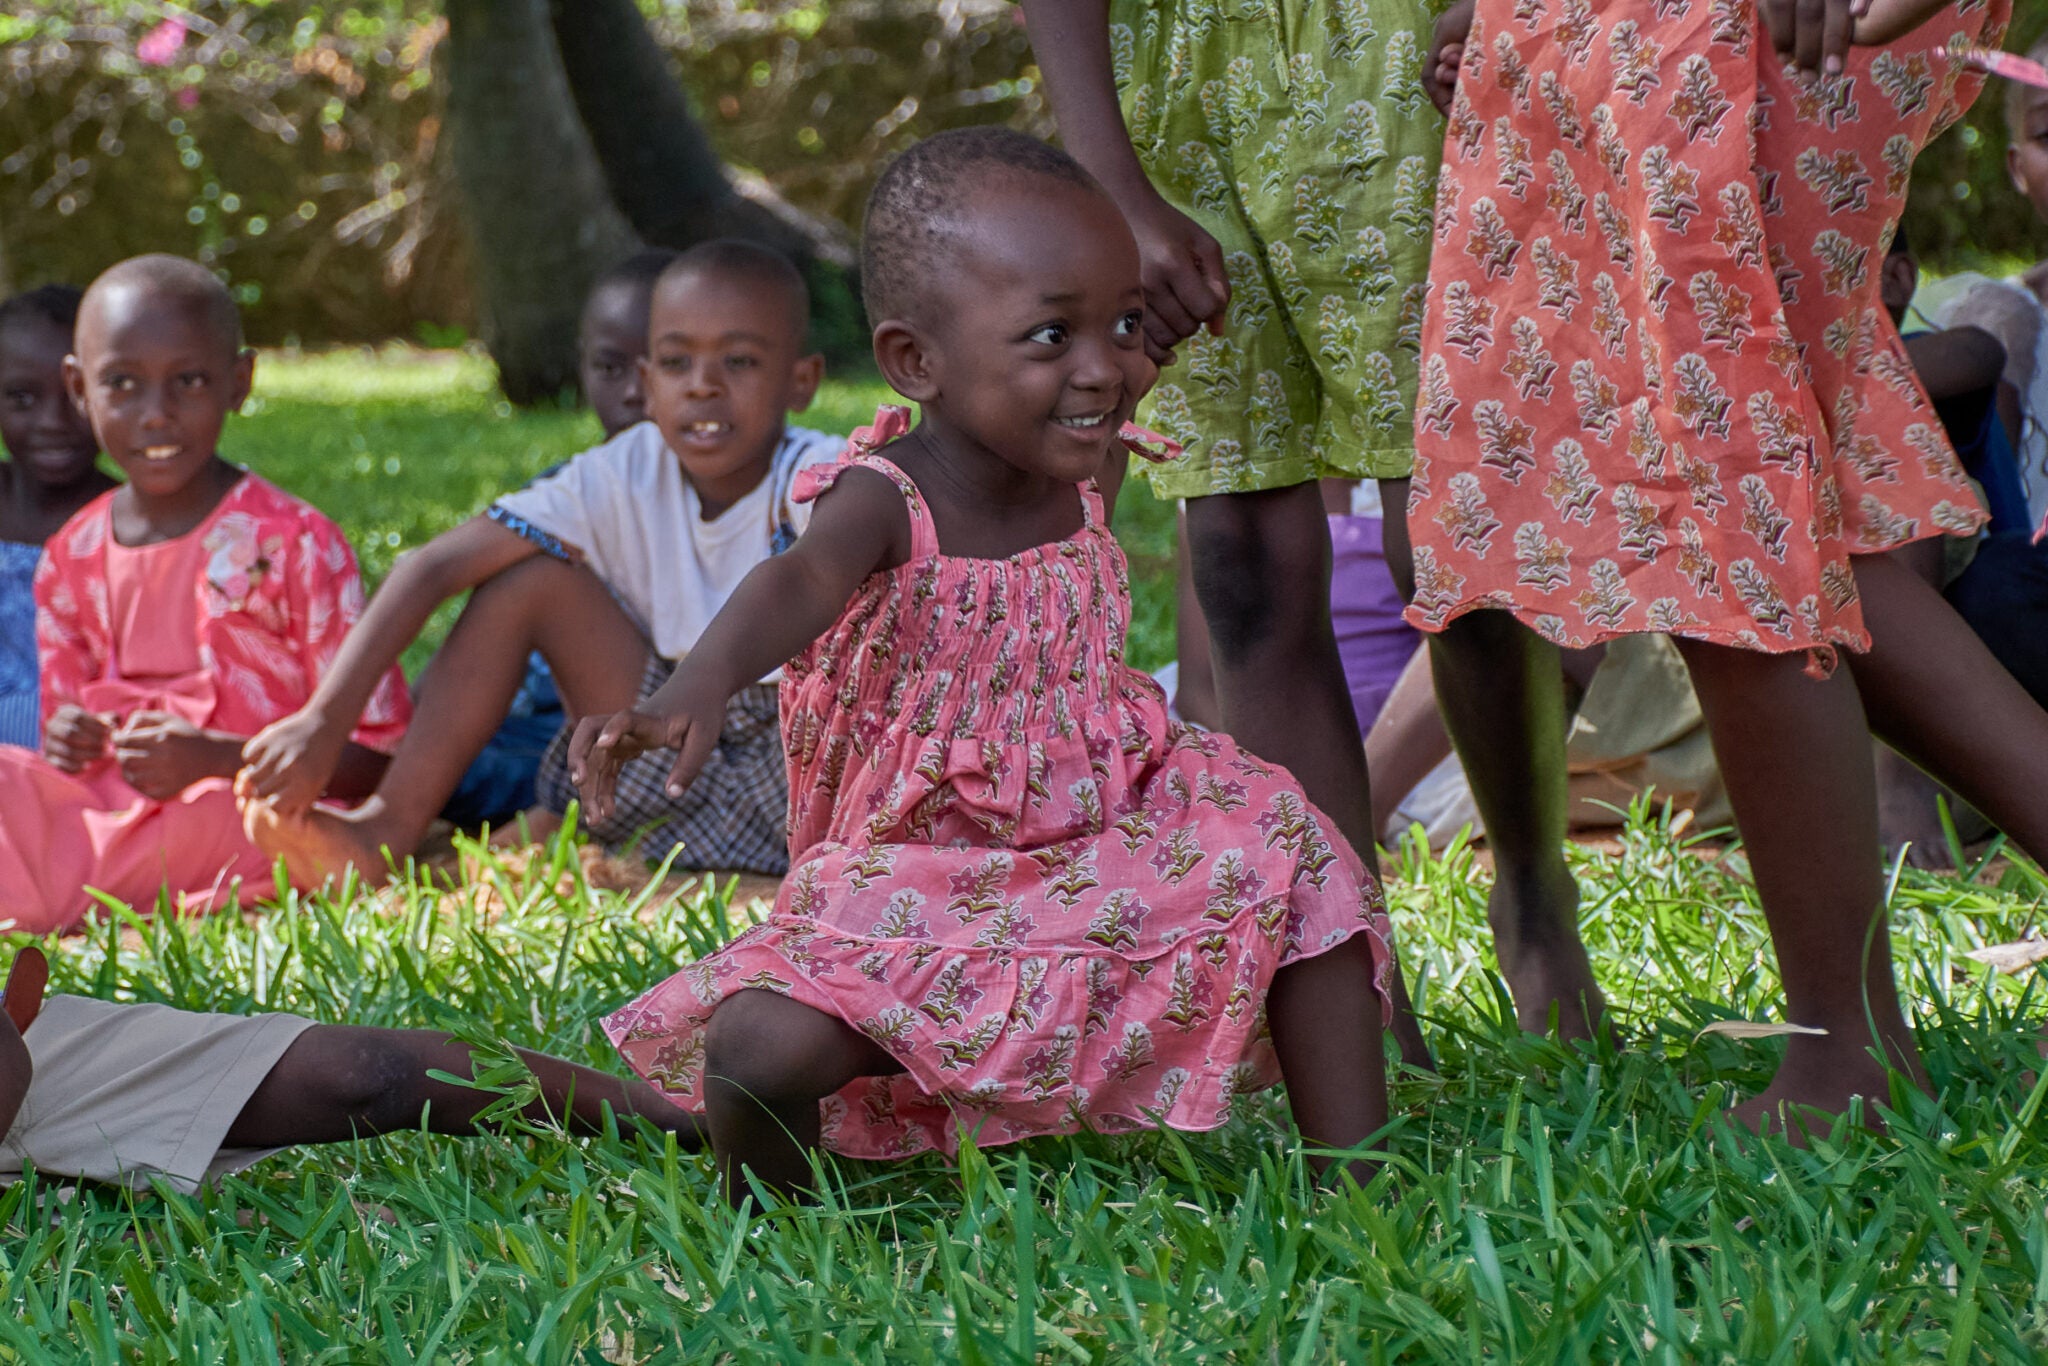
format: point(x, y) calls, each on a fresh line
point(1056, 909)
point(1661, 393)
point(1298, 133)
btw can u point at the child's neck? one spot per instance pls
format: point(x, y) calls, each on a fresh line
point(716, 496)
point(983, 507)
point(146, 519)
point(31, 511)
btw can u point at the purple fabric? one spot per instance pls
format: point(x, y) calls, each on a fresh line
point(1365, 607)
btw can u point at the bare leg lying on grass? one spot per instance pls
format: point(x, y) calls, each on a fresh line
point(565, 612)
point(339, 1082)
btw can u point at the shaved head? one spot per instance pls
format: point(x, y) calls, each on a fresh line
point(759, 270)
point(913, 219)
point(169, 281)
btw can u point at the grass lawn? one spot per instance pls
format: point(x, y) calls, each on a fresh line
point(1540, 1203)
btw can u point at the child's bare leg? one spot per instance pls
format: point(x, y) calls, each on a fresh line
point(768, 1061)
point(1795, 755)
point(1407, 740)
point(1261, 565)
point(565, 612)
point(1501, 689)
point(1936, 694)
point(338, 1082)
point(1325, 1019)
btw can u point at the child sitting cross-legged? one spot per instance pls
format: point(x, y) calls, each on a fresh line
point(611, 569)
point(125, 1093)
point(176, 616)
point(50, 473)
point(1021, 901)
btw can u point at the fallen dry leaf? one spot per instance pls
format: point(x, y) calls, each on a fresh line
point(1755, 1029)
point(2014, 957)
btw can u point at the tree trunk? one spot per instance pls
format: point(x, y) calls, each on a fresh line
point(664, 173)
point(540, 214)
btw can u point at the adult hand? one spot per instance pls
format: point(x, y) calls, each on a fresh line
point(1812, 35)
point(602, 745)
point(1181, 266)
point(161, 755)
point(1447, 54)
point(290, 762)
point(75, 739)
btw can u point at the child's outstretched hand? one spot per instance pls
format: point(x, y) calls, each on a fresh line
point(1447, 54)
point(75, 739)
point(161, 755)
point(602, 745)
point(290, 762)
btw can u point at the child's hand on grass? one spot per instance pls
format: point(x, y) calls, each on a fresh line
point(161, 755)
point(602, 745)
point(1447, 54)
point(290, 762)
point(75, 739)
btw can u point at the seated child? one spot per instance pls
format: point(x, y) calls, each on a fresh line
point(611, 569)
point(1023, 902)
point(175, 616)
point(51, 471)
point(124, 1093)
point(611, 342)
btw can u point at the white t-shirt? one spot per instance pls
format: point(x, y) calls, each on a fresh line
point(626, 510)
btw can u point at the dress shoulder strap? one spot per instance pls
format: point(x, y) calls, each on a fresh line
point(862, 451)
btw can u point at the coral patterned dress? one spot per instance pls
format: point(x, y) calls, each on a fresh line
point(227, 627)
point(1055, 908)
point(1660, 392)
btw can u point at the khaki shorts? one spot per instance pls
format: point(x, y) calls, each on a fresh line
point(126, 1093)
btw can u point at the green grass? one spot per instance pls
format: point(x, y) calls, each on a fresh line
point(1541, 1204)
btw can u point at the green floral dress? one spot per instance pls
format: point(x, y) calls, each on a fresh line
point(1297, 132)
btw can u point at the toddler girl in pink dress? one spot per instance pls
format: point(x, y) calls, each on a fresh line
point(1021, 901)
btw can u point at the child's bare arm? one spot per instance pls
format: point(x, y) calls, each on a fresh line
point(1186, 285)
point(19, 1003)
point(293, 762)
point(1956, 360)
point(859, 527)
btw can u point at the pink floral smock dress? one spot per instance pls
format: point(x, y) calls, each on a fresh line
point(1055, 908)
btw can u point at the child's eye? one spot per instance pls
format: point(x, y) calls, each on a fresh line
point(21, 400)
point(674, 365)
point(1052, 334)
point(740, 362)
point(121, 384)
point(193, 379)
point(1130, 323)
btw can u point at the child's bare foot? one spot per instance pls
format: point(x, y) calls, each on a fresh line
point(322, 843)
point(1536, 939)
point(1820, 1078)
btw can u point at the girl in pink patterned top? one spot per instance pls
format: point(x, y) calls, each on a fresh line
point(1020, 901)
point(176, 616)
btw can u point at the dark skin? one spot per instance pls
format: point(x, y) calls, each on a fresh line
point(611, 344)
point(1024, 368)
point(721, 374)
point(157, 378)
point(1259, 562)
point(52, 459)
point(336, 1083)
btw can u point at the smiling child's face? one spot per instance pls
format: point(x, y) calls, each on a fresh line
point(724, 369)
point(1037, 344)
point(44, 433)
point(612, 343)
point(158, 380)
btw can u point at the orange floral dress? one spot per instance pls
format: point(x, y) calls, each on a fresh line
point(1660, 392)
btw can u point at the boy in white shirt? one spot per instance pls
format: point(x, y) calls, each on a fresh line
point(610, 568)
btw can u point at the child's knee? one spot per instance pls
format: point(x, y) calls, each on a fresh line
point(1261, 566)
point(769, 1048)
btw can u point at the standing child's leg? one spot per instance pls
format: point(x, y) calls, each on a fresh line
point(338, 1082)
point(561, 610)
point(1325, 1018)
point(1261, 565)
point(1795, 756)
point(768, 1062)
point(1501, 689)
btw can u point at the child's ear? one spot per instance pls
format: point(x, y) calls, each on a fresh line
point(804, 378)
point(245, 376)
point(74, 385)
point(905, 361)
point(2012, 168)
